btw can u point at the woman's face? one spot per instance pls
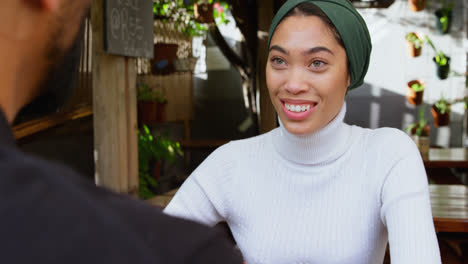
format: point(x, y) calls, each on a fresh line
point(306, 74)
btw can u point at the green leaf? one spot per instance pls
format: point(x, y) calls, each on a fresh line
point(147, 131)
point(444, 23)
point(417, 87)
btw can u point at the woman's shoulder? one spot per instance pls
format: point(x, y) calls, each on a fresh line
point(388, 140)
point(245, 144)
point(236, 149)
point(389, 133)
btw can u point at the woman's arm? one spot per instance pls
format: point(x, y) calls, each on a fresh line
point(205, 194)
point(406, 211)
point(192, 202)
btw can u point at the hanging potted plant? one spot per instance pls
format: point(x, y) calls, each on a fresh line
point(203, 11)
point(441, 61)
point(146, 105)
point(419, 132)
point(444, 17)
point(415, 92)
point(416, 5)
point(441, 113)
point(414, 44)
point(442, 65)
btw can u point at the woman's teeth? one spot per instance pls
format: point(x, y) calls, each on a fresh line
point(297, 108)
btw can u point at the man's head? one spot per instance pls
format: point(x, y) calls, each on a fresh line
point(39, 52)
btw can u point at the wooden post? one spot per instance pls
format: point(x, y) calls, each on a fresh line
point(114, 108)
point(267, 118)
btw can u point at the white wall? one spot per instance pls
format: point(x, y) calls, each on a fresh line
point(382, 99)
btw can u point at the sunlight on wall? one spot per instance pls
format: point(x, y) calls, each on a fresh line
point(391, 67)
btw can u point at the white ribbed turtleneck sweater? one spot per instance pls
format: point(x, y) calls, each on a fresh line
point(335, 196)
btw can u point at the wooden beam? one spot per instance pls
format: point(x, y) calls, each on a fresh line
point(114, 104)
point(38, 125)
point(267, 118)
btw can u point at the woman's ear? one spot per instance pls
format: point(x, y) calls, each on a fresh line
point(348, 81)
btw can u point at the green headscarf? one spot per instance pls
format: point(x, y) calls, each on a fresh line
point(351, 27)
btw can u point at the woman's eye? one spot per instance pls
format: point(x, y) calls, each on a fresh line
point(278, 61)
point(317, 64)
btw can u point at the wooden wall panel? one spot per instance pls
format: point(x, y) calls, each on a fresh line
point(178, 90)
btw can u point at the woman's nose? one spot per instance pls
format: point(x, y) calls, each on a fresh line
point(297, 82)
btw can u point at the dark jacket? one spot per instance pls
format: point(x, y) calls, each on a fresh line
point(49, 214)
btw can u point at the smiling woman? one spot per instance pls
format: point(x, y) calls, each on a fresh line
point(315, 189)
point(307, 74)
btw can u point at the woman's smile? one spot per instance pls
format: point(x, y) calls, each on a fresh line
point(298, 109)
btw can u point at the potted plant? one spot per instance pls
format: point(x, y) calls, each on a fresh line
point(164, 56)
point(203, 11)
point(441, 60)
point(180, 14)
point(162, 9)
point(219, 12)
point(146, 104)
point(415, 92)
point(414, 43)
point(146, 183)
point(419, 132)
point(441, 113)
point(151, 152)
point(416, 5)
point(444, 17)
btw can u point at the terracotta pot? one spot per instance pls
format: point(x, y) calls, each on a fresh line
point(203, 13)
point(423, 143)
point(147, 112)
point(416, 5)
point(412, 50)
point(164, 56)
point(440, 120)
point(442, 71)
point(414, 98)
point(161, 112)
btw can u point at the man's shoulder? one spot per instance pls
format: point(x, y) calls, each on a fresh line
point(50, 210)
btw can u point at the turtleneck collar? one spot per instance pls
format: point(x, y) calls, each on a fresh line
point(320, 147)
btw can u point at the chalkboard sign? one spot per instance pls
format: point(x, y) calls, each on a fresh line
point(129, 27)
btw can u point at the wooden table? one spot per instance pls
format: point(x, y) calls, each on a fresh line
point(446, 158)
point(449, 207)
point(163, 199)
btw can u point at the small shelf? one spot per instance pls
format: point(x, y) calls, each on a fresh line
point(40, 124)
